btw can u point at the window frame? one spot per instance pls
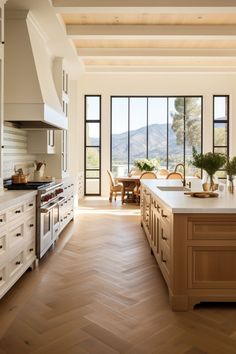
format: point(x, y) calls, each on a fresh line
point(224, 121)
point(96, 121)
point(167, 124)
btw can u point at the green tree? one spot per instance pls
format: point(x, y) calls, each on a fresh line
point(192, 121)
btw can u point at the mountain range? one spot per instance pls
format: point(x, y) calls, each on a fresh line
point(157, 143)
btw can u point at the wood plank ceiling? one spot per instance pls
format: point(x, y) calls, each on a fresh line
point(135, 35)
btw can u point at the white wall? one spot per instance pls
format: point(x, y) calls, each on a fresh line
point(107, 85)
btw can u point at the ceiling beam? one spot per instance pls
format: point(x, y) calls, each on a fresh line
point(139, 3)
point(159, 69)
point(153, 52)
point(152, 31)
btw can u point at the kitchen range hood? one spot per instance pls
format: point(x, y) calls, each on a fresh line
point(30, 96)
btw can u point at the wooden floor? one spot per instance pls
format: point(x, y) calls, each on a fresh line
point(100, 291)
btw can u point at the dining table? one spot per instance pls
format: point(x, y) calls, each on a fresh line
point(129, 184)
point(132, 182)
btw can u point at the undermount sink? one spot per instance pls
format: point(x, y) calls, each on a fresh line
point(173, 189)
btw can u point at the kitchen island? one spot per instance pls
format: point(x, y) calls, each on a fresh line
point(193, 241)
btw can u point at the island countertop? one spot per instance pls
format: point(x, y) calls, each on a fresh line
point(178, 202)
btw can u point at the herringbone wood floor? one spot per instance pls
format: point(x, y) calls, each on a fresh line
point(101, 292)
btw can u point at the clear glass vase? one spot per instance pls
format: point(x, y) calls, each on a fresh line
point(209, 182)
point(230, 184)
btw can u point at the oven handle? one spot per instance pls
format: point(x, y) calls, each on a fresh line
point(61, 199)
point(46, 210)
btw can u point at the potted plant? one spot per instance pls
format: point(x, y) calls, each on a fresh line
point(209, 162)
point(146, 164)
point(230, 168)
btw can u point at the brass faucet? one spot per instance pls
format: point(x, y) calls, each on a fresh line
point(184, 176)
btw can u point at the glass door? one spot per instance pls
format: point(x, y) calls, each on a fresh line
point(92, 159)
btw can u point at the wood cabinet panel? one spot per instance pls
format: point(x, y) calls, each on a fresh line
point(212, 267)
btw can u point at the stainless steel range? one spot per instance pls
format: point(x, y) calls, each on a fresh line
point(48, 216)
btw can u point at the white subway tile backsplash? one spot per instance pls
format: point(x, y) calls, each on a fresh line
point(15, 151)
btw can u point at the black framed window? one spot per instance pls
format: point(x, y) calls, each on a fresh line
point(92, 138)
point(221, 127)
point(162, 127)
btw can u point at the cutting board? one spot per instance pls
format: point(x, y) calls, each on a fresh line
point(202, 194)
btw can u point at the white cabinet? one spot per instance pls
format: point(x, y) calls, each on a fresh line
point(1, 89)
point(41, 141)
point(61, 81)
point(17, 242)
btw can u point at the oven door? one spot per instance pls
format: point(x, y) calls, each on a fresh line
point(46, 228)
point(55, 221)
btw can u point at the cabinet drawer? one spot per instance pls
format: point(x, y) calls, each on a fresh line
point(165, 217)
point(30, 252)
point(3, 246)
point(30, 228)
point(212, 229)
point(16, 265)
point(2, 219)
point(30, 205)
point(15, 212)
point(165, 261)
point(3, 275)
point(16, 235)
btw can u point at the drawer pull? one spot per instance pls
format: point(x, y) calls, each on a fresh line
point(163, 215)
point(31, 204)
point(31, 225)
point(18, 234)
point(31, 249)
point(1, 220)
point(18, 262)
point(162, 258)
point(0, 278)
point(61, 220)
point(163, 237)
point(17, 212)
point(1, 246)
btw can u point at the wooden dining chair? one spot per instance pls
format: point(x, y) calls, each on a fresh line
point(174, 175)
point(144, 175)
point(115, 187)
point(163, 172)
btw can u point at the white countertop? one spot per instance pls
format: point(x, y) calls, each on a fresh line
point(178, 202)
point(9, 198)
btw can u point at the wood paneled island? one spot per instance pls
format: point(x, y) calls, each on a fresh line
point(193, 241)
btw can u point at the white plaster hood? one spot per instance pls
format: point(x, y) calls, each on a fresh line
point(30, 96)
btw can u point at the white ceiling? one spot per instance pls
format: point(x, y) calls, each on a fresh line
point(139, 36)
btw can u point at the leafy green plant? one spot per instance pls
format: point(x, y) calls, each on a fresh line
point(230, 168)
point(146, 164)
point(209, 162)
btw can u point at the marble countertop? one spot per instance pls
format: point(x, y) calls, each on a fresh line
point(9, 198)
point(178, 202)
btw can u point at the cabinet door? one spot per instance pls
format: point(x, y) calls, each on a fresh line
point(155, 228)
point(64, 151)
point(1, 116)
point(212, 267)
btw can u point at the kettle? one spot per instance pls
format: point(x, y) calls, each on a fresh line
point(19, 177)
